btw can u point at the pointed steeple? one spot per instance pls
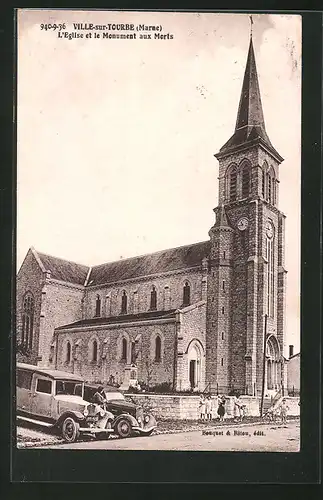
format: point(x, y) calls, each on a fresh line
point(222, 219)
point(250, 124)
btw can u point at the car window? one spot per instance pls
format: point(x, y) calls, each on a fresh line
point(114, 395)
point(68, 388)
point(44, 386)
point(24, 379)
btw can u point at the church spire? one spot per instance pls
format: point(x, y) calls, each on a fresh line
point(250, 124)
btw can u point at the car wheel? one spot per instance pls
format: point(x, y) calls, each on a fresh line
point(70, 430)
point(123, 428)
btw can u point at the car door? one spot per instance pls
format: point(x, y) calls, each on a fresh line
point(42, 397)
point(23, 391)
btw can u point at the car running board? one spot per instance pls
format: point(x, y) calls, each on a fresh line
point(32, 421)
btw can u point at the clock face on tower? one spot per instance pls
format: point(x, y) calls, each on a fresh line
point(242, 223)
point(269, 229)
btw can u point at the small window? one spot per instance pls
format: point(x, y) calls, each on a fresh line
point(153, 299)
point(223, 286)
point(68, 352)
point(222, 335)
point(124, 303)
point(44, 386)
point(98, 306)
point(186, 294)
point(263, 183)
point(221, 361)
point(24, 379)
point(157, 349)
point(222, 310)
point(94, 351)
point(224, 255)
point(124, 350)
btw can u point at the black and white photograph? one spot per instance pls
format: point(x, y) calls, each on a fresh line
point(158, 231)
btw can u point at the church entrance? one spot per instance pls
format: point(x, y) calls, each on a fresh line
point(194, 366)
point(273, 365)
point(192, 373)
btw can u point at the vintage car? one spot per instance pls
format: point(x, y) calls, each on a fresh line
point(54, 399)
point(129, 418)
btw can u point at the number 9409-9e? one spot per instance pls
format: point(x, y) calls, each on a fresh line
point(53, 26)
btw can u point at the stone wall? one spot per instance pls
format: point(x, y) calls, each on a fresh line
point(61, 305)
point(182, 407)
point(169, 289)
point(31, 280)
point(110, 359)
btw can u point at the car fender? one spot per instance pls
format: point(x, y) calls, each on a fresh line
point(130, 418)
point(76, 415)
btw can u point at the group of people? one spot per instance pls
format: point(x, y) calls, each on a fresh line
point(279, 411)
point(205, 407)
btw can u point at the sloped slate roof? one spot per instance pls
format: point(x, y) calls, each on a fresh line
point(64, 270)
point(122, 318)
point(154, 263)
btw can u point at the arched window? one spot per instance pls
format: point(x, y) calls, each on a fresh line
point(68, 352)
point(263, 182)
point(124, 350)
point(245, 181)
point(157, 348)
point(98, 306)
point(269, 188)
point(186, 294)
point(124, 302)
point(153, 299)
point(233, 184)
point(28, 322)
point(94, 351)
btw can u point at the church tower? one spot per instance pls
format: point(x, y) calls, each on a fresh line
point(246, 266)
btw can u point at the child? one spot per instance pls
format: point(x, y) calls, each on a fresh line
point(208, 407)
point(283, 411)
point(202, 407)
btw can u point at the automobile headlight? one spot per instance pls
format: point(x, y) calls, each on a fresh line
point(146, 419)
point(85, 412)
point(102, 412)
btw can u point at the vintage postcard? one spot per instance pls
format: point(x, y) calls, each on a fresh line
point(158, 231)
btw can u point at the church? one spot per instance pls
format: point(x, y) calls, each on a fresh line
point(187, 318)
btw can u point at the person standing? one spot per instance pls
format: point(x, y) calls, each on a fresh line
point(208, 407)
point(221, 409)
point(283, 411)
point(202, 407)
point(236, 410)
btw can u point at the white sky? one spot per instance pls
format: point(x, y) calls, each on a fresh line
point(116, 137)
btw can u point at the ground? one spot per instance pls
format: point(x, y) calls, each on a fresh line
point(188, 436)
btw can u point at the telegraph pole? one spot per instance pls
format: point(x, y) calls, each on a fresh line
point(263, 368)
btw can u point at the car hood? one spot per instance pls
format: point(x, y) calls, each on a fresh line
point(67, 398)
point(125, 405)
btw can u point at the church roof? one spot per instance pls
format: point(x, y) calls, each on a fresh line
point(154, 263)
point(250, 124)
point(64, 270)
point(124, 318)
point(134, 267)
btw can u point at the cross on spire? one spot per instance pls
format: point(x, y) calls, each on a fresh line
point(251, 23)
